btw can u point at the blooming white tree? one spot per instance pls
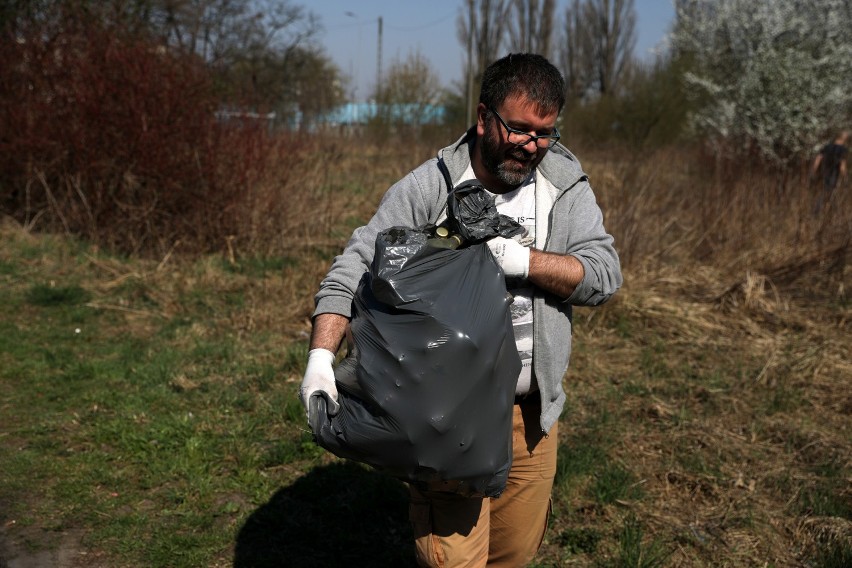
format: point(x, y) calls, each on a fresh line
point(773, 75)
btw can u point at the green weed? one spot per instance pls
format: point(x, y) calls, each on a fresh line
point(7, 268)
point(654, 361)
point(577, 458)
point(833, 555)
point(614, 483)
point(784, 397)
point(825, 499)
point(579, 541)
point(633, 552)
point(46, 295)
point(624, 326)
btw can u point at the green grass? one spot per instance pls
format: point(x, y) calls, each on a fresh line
point(46, 295)
point(826, 499)
point(633, 550)
point(583, 453)
point(578, 540)
point(833, 555)
point(150, 411)
point(613, 483)
point(159, 437)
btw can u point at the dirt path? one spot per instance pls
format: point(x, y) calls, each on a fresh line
point(37, 548)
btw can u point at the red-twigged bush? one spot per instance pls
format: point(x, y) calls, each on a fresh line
point(115, 138)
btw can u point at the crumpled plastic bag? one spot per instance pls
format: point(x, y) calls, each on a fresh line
point(471, 213)
point(428, 394)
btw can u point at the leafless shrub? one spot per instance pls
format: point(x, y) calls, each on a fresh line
point(113, 137)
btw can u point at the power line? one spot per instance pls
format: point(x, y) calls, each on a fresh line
point(440, 20)
point(422, 27)
point(352, 25)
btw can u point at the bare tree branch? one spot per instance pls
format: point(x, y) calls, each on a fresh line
point(531, 28)
point(597, 48)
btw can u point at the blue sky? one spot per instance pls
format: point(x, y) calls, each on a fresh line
point(429, 26)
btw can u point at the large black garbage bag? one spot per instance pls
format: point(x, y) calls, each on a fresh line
point(428, 397)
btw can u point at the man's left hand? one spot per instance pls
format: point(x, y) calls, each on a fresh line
point(513, 257)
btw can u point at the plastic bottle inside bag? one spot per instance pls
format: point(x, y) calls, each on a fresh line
point(444, 240)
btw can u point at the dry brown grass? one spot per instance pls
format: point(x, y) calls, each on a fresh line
point(723, 361)
point(729, 424)
point(731, 385)
point(720, 372)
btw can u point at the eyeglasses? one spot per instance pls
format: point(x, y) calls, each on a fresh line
point(521, 138)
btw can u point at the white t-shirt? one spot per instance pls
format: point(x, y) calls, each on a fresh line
point(519, 204)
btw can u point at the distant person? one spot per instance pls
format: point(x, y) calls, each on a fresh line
point(512, 151)
point(831, 164)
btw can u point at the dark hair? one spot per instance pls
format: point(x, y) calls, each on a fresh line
point(527, 74)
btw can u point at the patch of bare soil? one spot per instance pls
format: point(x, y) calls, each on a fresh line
point(31, 547)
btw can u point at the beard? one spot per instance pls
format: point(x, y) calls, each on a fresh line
point(503, 164)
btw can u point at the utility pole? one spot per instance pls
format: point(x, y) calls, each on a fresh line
point(470, 119)
point(379, 59)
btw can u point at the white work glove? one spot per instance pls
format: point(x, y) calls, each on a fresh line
point(512, 256)
point(319, 381)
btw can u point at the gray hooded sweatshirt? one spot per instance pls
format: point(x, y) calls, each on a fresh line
point(568, 221)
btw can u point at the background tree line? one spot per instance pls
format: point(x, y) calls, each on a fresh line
point(765, 79)
point(104, 104)
point(260, 54)
point(740, 63)
point(111, 112)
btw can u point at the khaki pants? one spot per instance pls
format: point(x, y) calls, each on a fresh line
point(451, 531)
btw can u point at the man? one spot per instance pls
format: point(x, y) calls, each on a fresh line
point(832, 161)
point(512, 150)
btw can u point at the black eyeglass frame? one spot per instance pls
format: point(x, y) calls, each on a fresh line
point(552, 138)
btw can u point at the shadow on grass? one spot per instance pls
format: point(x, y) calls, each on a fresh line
point(339, 515)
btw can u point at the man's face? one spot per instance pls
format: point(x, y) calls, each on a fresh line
point(509, 164)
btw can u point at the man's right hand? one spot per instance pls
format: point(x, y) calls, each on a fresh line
point(319, 381)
